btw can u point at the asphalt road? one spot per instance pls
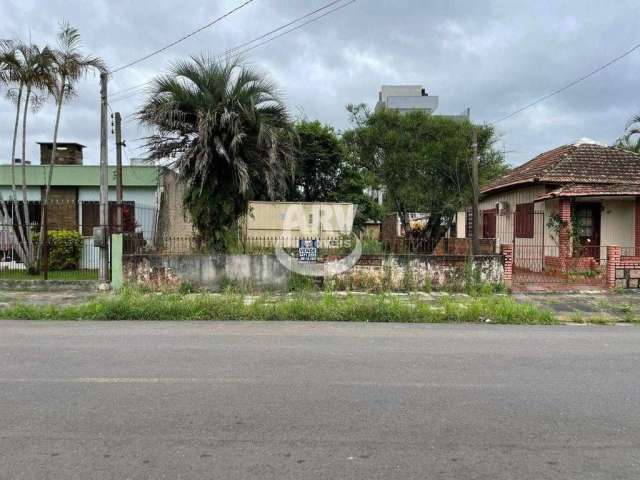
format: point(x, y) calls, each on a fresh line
point(310, 400)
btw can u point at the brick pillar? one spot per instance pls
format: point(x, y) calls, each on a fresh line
point(613, 259)
point(507, 252)
point(564, 236)
point(637, 229)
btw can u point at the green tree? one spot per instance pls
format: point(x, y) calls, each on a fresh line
point(631, 139)
point(318, 160)
point(68, 66)
point(27, 69)
point(326, 172)
point(351, 186)
point(423, 162)
point(230, 137)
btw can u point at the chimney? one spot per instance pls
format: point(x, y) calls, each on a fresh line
point(66, 153)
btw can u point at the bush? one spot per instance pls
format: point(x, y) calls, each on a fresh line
point(65, 250)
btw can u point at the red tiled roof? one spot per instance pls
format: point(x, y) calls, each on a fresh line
point(591, 190)
point(579, 163)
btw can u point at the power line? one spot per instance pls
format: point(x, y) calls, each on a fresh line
point(237, 49)
point(181, 39)
point(328, 5)
point(569, 85)
point(298, 26)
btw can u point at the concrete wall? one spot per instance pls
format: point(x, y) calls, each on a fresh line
point(33, 193)
point(618, 223)
point(206, 271)
point(439, 271)
point(299, 219)
point(265, 271)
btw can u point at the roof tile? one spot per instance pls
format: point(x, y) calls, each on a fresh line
point(580, 163)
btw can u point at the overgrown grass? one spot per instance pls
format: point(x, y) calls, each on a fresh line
point(137, 305)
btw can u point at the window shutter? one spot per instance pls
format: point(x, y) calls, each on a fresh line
point(90, 217)
point(524, 220)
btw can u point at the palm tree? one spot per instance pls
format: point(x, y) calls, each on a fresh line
point(28, 67)
point(68, 66)
point(8, 61)
point(629, 144)
point(227, 133)
point(631, 130)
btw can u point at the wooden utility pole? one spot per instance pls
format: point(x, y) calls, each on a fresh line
point(104, 183)
point(119, 145)
point(475, 234)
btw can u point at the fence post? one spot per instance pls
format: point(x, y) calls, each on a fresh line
point(45, 243)
point(564, 235)
point(613, 259)
point(507, 252)
point(117, 279)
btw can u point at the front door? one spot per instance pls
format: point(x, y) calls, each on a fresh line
point(586, 224)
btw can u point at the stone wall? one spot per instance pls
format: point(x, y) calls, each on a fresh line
point(622, 272)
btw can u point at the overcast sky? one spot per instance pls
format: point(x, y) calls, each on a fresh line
point(490, 56)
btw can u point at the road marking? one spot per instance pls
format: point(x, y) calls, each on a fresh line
point(417, 385)
point(114, 380)
point(245, 381)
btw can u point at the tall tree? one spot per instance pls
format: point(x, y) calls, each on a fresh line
point(631, 139)
point(318, 161)
point(68, 66)
point(228, 135)
point(29, 68)
point(423, 163)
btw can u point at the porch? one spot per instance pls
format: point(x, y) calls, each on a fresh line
point(563, 239)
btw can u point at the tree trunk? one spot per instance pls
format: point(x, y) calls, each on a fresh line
point(54, 148)
point(26, 231)
point(18, 247)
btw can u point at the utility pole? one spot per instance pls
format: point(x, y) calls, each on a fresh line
point(104, 184)
point(475, 234)
point(119, 145)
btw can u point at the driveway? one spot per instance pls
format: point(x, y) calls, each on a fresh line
point(215, 400)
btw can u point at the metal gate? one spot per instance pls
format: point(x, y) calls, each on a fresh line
point(539, 262)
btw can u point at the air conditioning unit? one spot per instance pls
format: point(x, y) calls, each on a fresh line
point(502, 208)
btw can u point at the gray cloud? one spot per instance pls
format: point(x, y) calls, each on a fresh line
point(492, 56)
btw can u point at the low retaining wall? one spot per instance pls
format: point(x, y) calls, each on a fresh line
point(265, 271)
point(419, 271)
point(48, 285)
point(206, 271)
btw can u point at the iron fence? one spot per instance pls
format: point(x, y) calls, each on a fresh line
point(58, 242)
point(140, 242)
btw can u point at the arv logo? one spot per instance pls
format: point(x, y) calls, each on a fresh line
point(306, 223)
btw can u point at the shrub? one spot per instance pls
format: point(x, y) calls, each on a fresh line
point(65, 249)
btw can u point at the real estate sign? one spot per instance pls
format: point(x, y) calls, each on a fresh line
point(308, 250)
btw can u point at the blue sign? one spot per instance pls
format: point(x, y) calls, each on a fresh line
point(308, 250)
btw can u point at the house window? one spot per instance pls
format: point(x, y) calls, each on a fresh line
point(489, 223)
point(310, 219)
point(524, 220)
point(584, 222)
point(16, 210)
point(91, 217)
